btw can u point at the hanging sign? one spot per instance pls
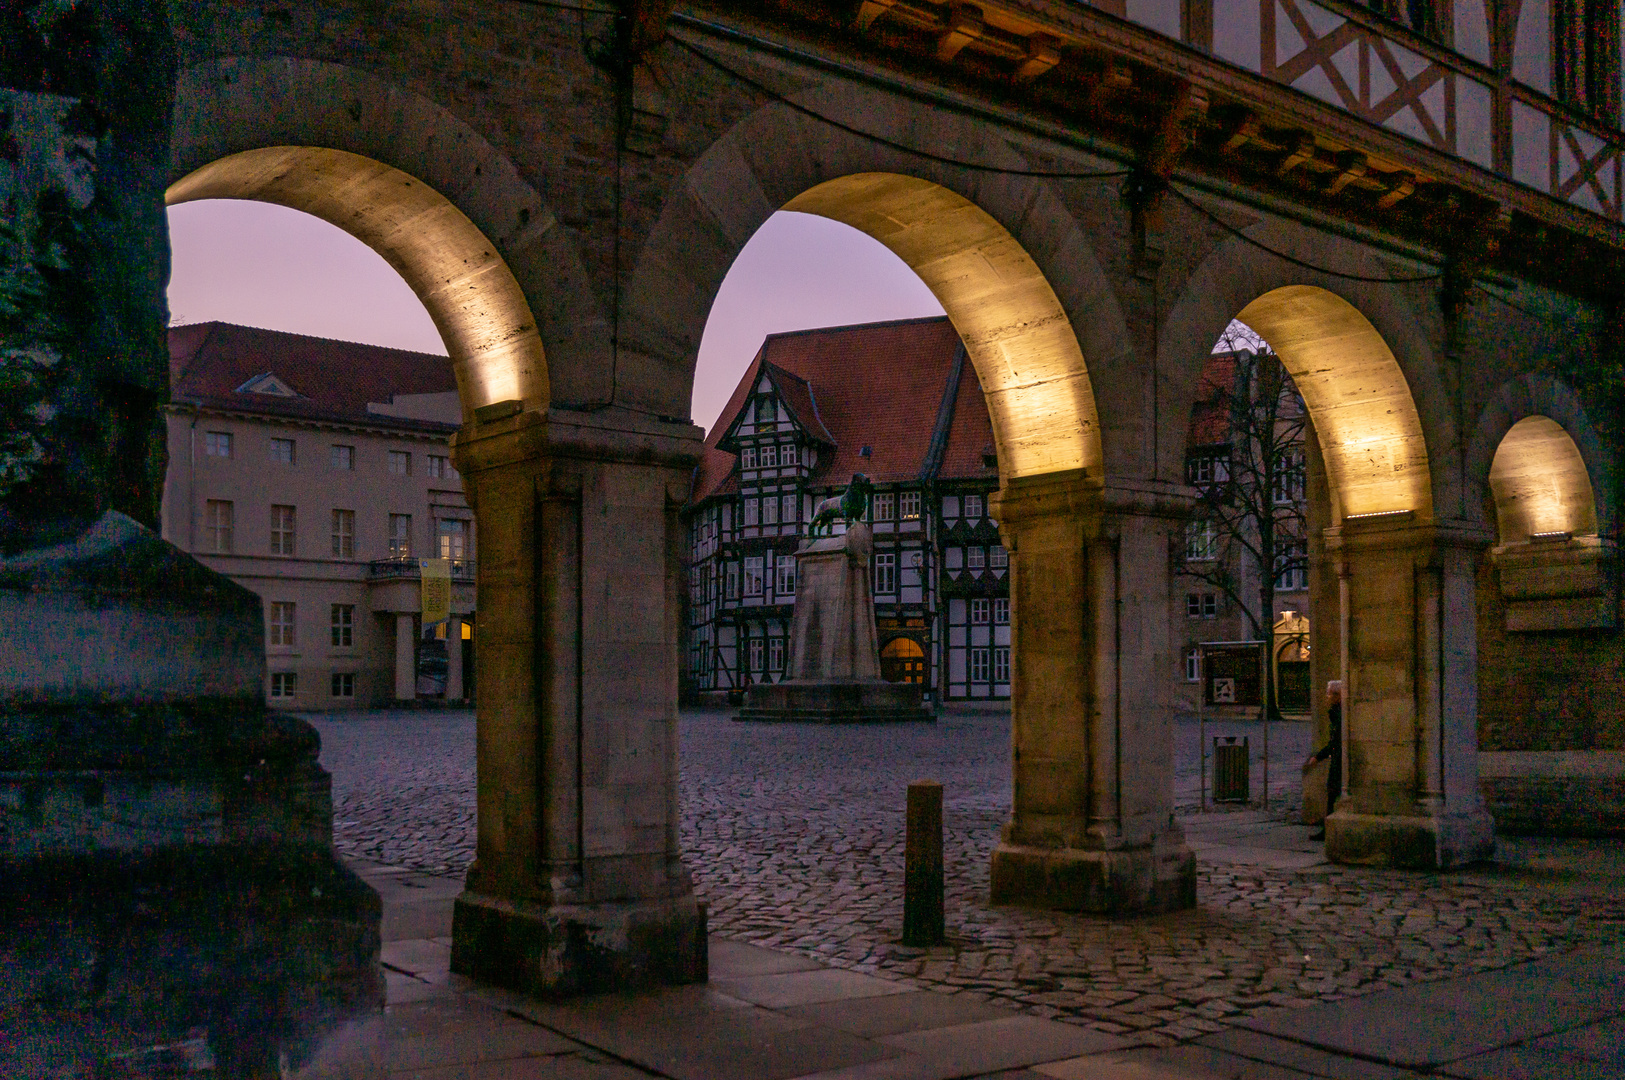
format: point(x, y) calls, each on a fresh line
point(436, 597)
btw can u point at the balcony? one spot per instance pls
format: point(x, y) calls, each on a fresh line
point(399, 567)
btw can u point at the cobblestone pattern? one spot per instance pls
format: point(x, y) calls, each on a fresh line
point(403, 786)
point(795, 837)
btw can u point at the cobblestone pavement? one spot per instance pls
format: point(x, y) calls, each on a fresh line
point(795, 837)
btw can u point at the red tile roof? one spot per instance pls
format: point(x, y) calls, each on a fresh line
point(1210, 413)
point(335, 380)
point(878, 385)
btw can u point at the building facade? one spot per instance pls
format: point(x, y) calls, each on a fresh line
point(899, 403)
point(318, 473)
point(1219, 582)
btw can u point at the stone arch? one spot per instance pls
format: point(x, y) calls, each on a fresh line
point(1003, 255)
point(404, 175)
point(1358, 351)
point(1533, 441)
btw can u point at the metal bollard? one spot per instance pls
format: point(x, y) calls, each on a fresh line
point(922, 867)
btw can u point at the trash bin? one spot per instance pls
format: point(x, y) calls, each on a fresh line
point(1231, 761)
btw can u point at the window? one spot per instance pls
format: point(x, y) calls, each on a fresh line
point(786, 585)
point(753, 575)
point(775, 654)
point(885, 573)
point(1586, 72)
point(400, 463)
point(217, 443)
point(1193, 665)
point(998, 556)
point(766, 411)
point(282, 451)
point(973, 507)
point(1001, 610)
point(1420, 15)
point(217, 526)
point(400, 536)
point(885, 507)
point(980, 609)
point(747, 457)
point(1206, 470)
point(787, 454)
point(770, 511)
point(908, 506)
point(979, 665)
point(342, 458)
point(282, 530)
point(343, 684)
point(1201, 605)
point(343, 626)
point(1292, 566)
point(975, 558)
point(282, 622)
point(755, 654)
point(284, 684)
point(769, 456)
point(787, 513)
point(1001, 663)
point(1201, 541)
point(750, 511)
point(453, 538)
point(344, 533)
point(1288, 484)
point(440, 467)
point(732, 588)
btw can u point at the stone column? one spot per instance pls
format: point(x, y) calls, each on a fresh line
point(1410, 694)
point(406, 668)
point(454, 659)
point(578, 882)
point(1091, 828)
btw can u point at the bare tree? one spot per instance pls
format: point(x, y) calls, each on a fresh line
point(1251, 509)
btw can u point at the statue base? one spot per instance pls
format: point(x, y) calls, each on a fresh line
point(856, 701)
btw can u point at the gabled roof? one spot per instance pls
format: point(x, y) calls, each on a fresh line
point(878, 385)
point(246, 369)
point(796, 394)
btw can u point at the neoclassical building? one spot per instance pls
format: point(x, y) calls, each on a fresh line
point(318, 474)
point(898, 402)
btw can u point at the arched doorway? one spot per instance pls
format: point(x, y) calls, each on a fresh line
point(902, 660)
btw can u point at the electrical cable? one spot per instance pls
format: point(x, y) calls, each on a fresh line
point(745, 80)
point(1240, 235)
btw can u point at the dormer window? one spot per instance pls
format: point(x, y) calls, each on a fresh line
point(747, 458)
point(770, 456)
point(267, 384)
point(766, 411)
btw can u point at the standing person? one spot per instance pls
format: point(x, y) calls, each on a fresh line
point(1333, 749)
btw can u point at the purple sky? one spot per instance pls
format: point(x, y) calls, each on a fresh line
point(268, 266)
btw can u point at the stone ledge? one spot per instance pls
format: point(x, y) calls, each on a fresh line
point(857, 702)
point(576, 949)
point(1126, 881)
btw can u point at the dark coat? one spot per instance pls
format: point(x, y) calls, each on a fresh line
point(1334, 750)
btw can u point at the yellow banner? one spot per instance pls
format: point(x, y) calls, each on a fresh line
point(436, 577)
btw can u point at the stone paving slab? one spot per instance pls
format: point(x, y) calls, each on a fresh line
point(1291, 1055)
point(806, 987)
point(899, 1013)
point(1007, 1043)
point(1528, 1063)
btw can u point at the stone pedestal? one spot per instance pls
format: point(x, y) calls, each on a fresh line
point(578, 882)
point(833, 670)
point(166, 856)
point(1408, 618)
point(1092, 827)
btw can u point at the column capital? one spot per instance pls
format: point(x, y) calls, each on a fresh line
point(1399, 532)
point(500, 441)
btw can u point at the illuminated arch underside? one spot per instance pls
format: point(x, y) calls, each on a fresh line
point(1014, 328)
point(1540, 483)
point(455, 271)
point(1370, 434)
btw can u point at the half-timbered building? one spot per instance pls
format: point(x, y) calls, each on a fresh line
point(898, 402)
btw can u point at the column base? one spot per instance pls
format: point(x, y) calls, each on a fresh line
point(575, 949)
point(1125, 881)
point(1422, 842)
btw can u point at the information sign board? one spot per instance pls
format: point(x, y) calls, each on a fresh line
point(1232, 673)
